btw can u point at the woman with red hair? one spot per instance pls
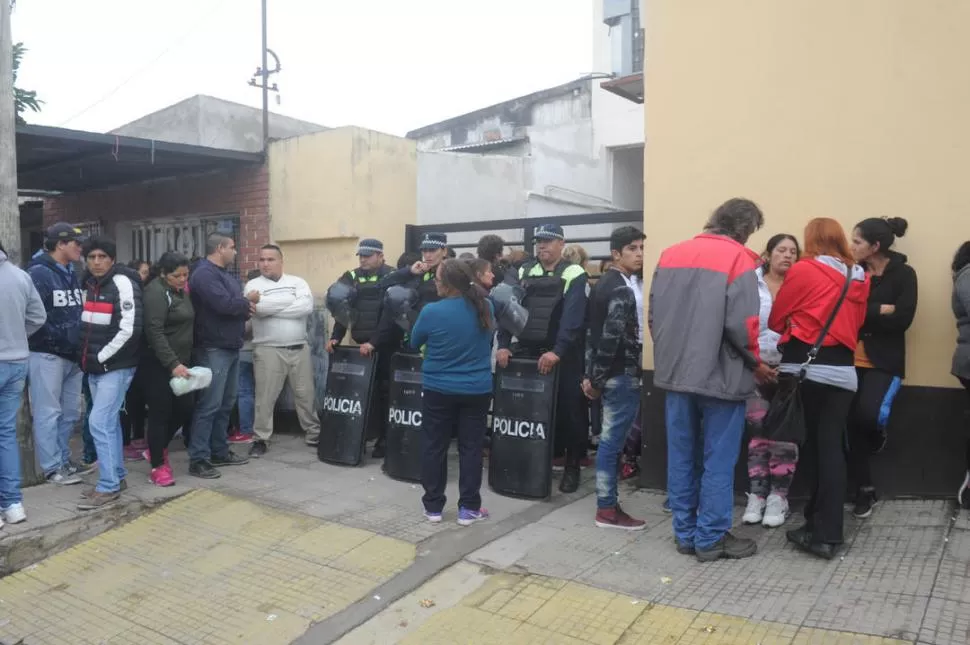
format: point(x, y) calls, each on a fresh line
point(804, 303)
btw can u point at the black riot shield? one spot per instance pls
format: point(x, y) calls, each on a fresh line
point(346, 406)
point(523, 429)
point(402, 458)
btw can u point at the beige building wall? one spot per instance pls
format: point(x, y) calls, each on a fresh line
point(845, 109)
point(329, 189)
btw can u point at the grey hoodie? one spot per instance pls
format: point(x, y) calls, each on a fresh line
point(961, 309)
point(22, 312)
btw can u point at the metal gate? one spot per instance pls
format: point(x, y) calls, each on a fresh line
point(148, 239)
point(590, 230)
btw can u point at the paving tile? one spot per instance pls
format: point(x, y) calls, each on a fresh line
point(879, 614)
point(947, 623)
point(581, 548)
point(205, 568)
point(716, 629)
point(911, 512)
point(892, 559)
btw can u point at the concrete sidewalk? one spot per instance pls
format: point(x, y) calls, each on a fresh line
point(287, 549)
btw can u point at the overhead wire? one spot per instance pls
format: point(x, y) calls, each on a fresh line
point(138, 72)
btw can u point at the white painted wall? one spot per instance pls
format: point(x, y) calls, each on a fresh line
point(616, 121)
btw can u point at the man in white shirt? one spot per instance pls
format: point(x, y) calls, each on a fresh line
point(280, 349)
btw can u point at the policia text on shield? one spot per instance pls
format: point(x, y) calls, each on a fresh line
point(555, 296)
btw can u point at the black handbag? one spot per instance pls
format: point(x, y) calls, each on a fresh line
point(785, 420)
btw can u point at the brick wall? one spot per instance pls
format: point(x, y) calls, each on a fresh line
point(241, 191)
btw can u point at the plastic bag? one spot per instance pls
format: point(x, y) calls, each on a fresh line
point(199, 379)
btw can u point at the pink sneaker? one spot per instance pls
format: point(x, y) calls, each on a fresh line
point(162, 476)
point(132, 453)
point(141, 444)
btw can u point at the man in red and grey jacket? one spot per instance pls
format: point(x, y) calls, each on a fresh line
point(704, 322)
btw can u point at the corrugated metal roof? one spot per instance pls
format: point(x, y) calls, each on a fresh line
point(484, 145)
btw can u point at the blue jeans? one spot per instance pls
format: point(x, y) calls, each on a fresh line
point(13, 375)
point(90, 454)
point(621, 403)
point(247, 396)
point(107, 395)
point(214, 405)
point(54, 384)
point(703, 444)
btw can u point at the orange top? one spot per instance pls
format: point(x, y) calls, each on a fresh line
point(861, 358)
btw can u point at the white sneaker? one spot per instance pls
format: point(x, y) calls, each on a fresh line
point(776, 512)
point(963, 495)
point(15, 514)
point(755, 510)
point(64, 477)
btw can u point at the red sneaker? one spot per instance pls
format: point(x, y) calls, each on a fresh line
point(615, 518)
point(629, 470)
point(162, 476)
point(239, 437)
point(147, 456)
point(141, 444)
point(585, 462)
point(132, 453)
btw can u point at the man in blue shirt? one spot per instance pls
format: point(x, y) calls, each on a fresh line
point(221, 312)
point(54, 372)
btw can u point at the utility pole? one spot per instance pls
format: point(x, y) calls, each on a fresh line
point(265, 69)
point(263, 72)
point(30, 473)
point(9, 208)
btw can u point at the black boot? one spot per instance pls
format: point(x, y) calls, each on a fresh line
point(570, 479)
point(378, 449)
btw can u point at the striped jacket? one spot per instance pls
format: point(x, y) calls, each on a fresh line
point(111, 321)
point(704, 318)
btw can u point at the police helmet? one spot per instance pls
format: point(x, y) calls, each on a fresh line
point(400, 302)
point(509, 312)
point(340, 303)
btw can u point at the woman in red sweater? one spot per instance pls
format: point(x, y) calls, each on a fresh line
point(803, 304)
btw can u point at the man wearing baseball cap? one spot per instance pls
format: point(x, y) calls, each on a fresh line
point(366, 282)
point(54, 372)
point(555, 295)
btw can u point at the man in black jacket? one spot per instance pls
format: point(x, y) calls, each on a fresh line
point(614, 344)
point(367, 282)
point(111, 326)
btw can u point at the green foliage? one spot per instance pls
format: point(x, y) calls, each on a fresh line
point(23, 99)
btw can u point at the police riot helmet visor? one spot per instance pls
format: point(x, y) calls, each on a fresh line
point(340, 303)
point(400, 302)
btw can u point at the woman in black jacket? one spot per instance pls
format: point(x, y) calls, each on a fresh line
point(961, 355)
point(881, 354)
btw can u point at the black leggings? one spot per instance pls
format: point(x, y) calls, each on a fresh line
point(966, 384)
point(133, 415)
point(166, 412)
point(823, 458)
point(868, 419)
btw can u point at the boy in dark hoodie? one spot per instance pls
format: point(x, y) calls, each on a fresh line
point(54, 373)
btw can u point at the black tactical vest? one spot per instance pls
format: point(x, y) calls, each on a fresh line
point(368, 306)
point(543, 299)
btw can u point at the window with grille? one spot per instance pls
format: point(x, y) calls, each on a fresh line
point(148, 239)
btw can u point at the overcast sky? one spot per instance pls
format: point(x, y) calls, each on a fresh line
point(390, 65)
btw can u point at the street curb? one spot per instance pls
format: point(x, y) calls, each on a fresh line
point(22, 550)
point(434, 555)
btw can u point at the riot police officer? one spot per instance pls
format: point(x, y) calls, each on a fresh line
point(555, 296)
point(420, 275)
point(366, 281)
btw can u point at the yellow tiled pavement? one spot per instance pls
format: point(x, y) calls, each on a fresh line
point(514, 609)
point(205, 568)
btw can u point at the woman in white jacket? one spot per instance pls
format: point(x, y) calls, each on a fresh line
point(771, 464)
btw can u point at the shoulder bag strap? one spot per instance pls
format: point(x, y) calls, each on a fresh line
point(813, 352)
